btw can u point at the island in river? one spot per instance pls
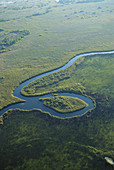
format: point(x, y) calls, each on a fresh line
point(64, 104)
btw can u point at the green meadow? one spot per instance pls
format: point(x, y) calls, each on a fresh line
point(35, 140)
point(38, 36)
point(91, 75)
point(55, 37)
point(64, 104)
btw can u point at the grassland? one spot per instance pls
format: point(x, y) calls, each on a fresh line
point(7, 39)
point(53, 38)
point(33, 139)
point(64, 104)
point(89, 75)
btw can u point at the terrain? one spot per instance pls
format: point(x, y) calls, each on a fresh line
point(64, 104)
point(38, 36)
point(53, 38)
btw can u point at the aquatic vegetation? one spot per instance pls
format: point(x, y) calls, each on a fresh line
point(38, 141)
point(50, 44)
point(8, 38)
point(33, 139)
point(92, 74)
point(64, 104)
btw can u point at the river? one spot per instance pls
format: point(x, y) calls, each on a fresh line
point(34, 103)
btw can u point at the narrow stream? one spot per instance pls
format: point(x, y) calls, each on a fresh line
point(34, 103)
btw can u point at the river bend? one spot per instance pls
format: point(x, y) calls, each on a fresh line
point(34, 103)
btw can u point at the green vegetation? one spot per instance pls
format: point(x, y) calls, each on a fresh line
point(89, 75)
point(38, 14)
point(35, 140)
point(64, 104)
point(50, 44)
point(9, 38)
point(78, 143)
point(33, 87)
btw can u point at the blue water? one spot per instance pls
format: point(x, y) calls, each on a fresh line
point(34, 103)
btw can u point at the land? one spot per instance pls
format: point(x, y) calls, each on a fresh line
point(91, 75)
point(64, 104)
point(35, 140)
point(78, 1)
point(56, 33)
point(53, 38)
point(78, 143)
point(7, 39)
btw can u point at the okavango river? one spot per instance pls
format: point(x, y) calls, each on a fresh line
point(34, 103)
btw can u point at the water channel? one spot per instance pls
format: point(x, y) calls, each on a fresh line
point(34, 103)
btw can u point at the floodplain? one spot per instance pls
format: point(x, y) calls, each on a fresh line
point(39, 36)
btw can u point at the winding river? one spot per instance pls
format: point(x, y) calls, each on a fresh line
point(34, 103)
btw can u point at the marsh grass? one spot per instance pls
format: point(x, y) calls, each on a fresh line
point(64, 104)
point(92, 74)
point(53, 39)
point(38, 141)
point(33, 139)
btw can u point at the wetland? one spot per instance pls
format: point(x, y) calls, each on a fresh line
point(38, 37)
